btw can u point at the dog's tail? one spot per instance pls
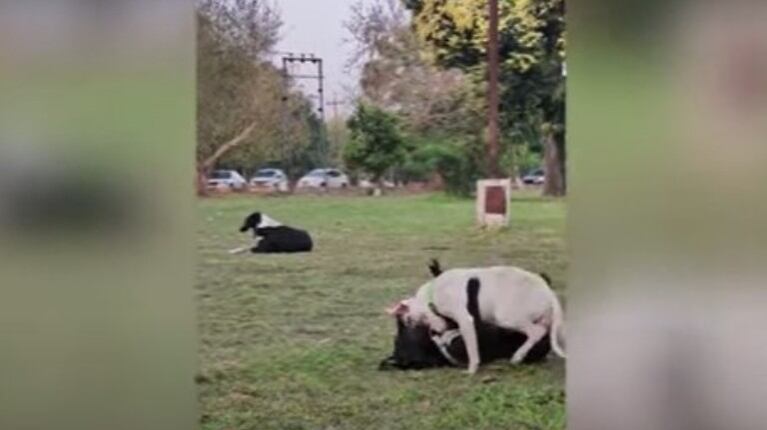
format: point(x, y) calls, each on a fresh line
point(435, 268)
point(558, 320)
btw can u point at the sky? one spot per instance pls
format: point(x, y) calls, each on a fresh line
point(316, 26)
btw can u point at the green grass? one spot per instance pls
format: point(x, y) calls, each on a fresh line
point(293, 341)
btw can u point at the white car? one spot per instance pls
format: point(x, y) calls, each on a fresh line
point(226, 179)
point(319, 178)
point(274, 179)
point(536, 177)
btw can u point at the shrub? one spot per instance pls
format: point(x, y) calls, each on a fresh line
point(456, 162)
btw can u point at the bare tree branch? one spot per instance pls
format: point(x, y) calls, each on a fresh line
point(228, 146)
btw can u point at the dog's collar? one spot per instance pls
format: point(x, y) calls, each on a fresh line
point(430, 301)
point(430, 298)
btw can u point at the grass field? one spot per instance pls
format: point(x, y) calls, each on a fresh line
point(293, 342)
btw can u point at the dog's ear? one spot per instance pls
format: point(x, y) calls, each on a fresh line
point(399, 309)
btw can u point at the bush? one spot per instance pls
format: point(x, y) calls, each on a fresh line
point(456, 162)
point(520, 159)
point(376, 144)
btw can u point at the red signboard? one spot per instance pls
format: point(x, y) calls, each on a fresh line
point(495, 200)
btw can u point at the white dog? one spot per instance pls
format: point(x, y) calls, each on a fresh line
point(509, 297)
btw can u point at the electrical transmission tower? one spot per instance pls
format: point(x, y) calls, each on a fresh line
point(289, 59)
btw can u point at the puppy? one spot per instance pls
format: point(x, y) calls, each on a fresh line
point(273, 237)
point(510, 298)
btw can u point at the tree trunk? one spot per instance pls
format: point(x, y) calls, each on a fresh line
point(201, 180)
point(378, 186)
point(554, 164)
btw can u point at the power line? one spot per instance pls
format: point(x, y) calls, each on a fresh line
point(335, 103)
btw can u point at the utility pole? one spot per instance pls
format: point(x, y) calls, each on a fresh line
point(493, 97)
point(289, 59)
point(335, 129)
point(334, 103)
point(493, 194)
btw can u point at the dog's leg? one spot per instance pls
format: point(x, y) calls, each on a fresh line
point(535, 332)
point(239, 250)
point(469, 334)
point(259, 249)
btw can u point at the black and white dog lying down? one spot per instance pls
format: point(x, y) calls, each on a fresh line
point(273, 237)
point(418, 345)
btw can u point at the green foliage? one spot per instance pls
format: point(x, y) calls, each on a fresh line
point(532, 43)
point(429, 68)
point(312, 153)
point(457, 162)
point(375, 142)
point(521, 159)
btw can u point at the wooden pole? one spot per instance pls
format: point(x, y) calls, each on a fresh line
point(493, 96)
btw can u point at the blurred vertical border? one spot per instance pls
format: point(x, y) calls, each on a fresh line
point(96, 204)
point(667, 123)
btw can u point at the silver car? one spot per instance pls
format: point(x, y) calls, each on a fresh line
point(320, 178)
point(536, 177)
point(273, 179)
point(226, 179)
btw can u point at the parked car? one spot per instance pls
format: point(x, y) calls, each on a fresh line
point(318, 178)
point(535, 177)
point(274, 179)
point(226, 179)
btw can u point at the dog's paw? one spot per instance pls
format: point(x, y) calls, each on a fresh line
point(517, 359)
point(472, 369)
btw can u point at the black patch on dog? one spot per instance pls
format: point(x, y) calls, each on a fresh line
point(472, 302)
point(278, 239)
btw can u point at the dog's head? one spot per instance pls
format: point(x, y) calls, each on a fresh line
point(414, 312)
point(413, 349)
point(252, 221)
point(257, 220)
point(413, 344)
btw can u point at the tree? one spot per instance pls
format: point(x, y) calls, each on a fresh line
point(454, 35)
point(396, 77)
point(375, 143)
point(436, 107)
point(338, 136)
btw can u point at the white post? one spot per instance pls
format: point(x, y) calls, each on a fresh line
point(493, 198)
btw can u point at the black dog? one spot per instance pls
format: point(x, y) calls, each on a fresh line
point(414, 347)
point(275, 237)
